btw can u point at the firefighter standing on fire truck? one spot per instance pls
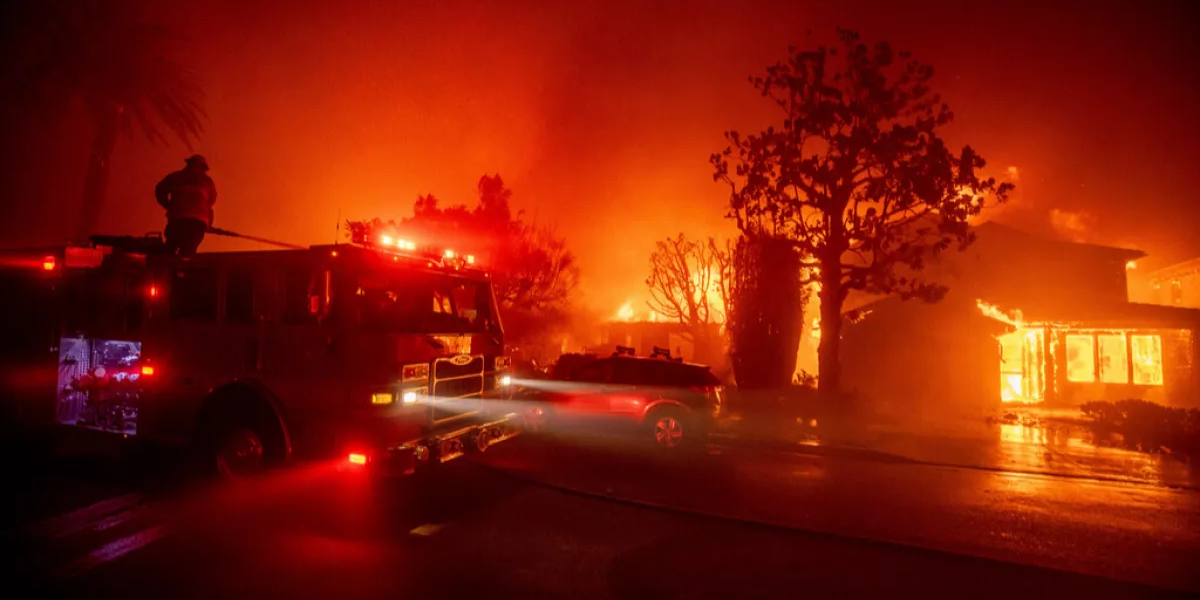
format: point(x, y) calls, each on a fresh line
point(188, 195)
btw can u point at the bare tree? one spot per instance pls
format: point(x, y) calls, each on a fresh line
point(684, 284)
point(856, 178)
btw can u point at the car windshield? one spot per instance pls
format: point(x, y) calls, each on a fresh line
point(423, 302)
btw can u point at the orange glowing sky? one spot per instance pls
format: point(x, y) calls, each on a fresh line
point(601, 115)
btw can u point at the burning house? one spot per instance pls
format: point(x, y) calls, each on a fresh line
point(1027, 320)
point(1174, 285)
point(644, 336)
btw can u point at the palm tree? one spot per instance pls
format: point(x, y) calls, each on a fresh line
point(106, 55)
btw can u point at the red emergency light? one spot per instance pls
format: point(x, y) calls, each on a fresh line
point(49, 263)
point(397, 247)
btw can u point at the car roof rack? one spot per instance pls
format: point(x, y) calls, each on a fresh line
point(664, 354)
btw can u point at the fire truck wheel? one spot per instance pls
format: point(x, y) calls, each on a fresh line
point(241, 434)
point(239, 453)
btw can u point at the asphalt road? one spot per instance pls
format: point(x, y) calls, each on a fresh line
point(508, 529)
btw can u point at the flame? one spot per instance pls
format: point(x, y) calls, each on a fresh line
point(993, 312)
point(625, 313)
point(1131, 265)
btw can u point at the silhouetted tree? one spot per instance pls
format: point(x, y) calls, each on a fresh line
point(761, 281)
point(533, 272)
point(105, 54)
point(684, 288)
point(856, 178)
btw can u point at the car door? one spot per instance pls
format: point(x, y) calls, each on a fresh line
point(631, 387)
point(584, 395)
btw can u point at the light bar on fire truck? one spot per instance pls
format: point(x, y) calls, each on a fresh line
point(398, 246)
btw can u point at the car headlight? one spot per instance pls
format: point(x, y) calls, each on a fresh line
point(505, 380)
point(409, 397)
point(383, 398)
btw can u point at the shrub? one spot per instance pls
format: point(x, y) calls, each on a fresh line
point(1147, 426)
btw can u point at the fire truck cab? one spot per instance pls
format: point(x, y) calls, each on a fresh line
point(387, 359)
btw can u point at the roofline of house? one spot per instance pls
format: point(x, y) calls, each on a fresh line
point(1126, 253)
point(1192, 264)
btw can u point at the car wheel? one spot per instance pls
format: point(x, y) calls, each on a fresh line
point(534, 420)
point(669, 430)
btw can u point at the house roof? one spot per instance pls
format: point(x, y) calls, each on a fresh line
point(1119, 314)
point(1007, 234)
point(1176, 270)
point(1089, 315)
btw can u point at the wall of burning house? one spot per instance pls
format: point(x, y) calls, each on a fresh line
point(924, 360)
point(1157, 365)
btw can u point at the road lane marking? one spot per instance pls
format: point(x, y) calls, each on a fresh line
point(73, 522)
point(113, 550)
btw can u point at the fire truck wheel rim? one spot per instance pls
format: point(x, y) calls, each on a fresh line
point(668, 432)
point(241, 453)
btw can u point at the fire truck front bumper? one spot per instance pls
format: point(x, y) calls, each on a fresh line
point(436, 446)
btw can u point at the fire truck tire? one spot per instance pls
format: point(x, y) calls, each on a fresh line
point(241, 434)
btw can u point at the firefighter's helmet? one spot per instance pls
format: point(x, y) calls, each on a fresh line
point(197, 160)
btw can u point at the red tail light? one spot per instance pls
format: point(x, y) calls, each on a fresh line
point(358, 459)
point(147, 370)
point(49, 263)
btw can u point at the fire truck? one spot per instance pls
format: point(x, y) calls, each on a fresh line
point(382, 354)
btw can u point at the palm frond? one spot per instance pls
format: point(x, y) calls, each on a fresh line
point(106, 53)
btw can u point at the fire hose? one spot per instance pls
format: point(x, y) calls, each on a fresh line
point(234, 234)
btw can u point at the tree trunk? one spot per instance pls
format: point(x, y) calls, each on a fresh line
point(95, 184)
point(829, 365)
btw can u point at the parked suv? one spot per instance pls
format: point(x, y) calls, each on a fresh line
point(671, 404)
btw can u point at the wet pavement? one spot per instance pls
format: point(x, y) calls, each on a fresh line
point(540, 518)
point(1031, 444)
point(1135, 532)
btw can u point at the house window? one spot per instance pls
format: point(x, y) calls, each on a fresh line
point(1147, 359)
point(1081, 358)
point(1114, 361)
